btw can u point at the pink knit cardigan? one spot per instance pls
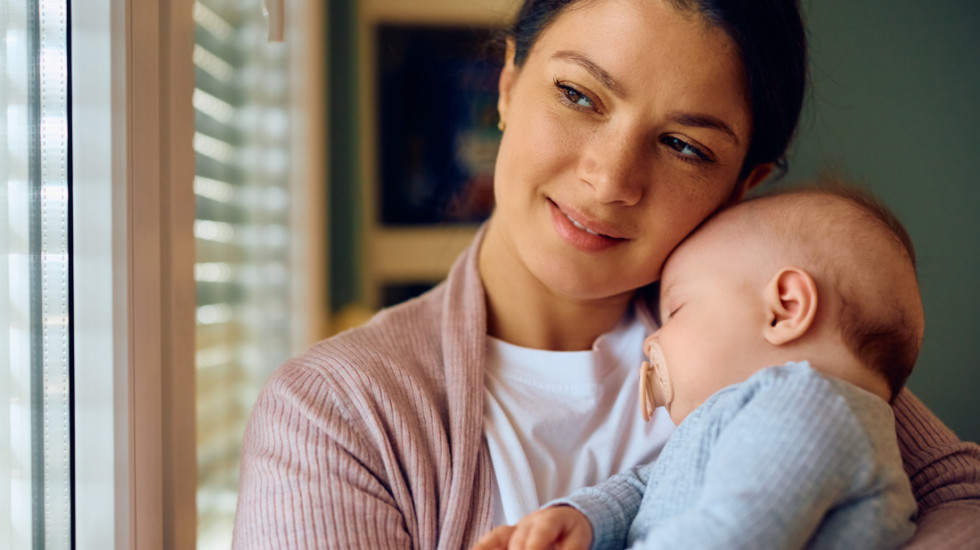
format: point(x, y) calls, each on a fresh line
point(374, 439)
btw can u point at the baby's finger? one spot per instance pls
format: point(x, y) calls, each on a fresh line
point(496, 539)
point(539, 535)
point(518, 539)
point(576, 539)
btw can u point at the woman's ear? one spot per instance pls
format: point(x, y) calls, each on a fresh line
point(791, 305)
point(751, 181)
point(508, 75)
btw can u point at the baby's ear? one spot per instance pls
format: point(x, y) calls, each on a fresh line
point(791, 305)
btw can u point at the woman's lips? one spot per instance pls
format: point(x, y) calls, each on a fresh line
point(582, 233)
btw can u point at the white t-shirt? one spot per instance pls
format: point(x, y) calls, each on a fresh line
point(556, 421)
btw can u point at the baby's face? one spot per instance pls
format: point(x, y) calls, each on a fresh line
point(712, 312)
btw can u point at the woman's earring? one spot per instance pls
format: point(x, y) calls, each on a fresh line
point(501, 125)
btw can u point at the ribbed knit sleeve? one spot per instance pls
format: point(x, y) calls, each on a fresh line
point(945, 476)
point(311, 475)
point(373, 438)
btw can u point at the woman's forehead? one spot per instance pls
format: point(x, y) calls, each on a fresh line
point(649, 47)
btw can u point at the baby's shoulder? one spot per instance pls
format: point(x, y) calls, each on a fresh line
point(793, 396)
point(792, 382)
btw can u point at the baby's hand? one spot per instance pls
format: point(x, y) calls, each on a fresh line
point(558, 527)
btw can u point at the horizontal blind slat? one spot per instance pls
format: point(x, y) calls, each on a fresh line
point(243, 237)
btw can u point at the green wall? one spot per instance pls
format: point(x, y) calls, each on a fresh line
point(344, 195)
point(895, 104)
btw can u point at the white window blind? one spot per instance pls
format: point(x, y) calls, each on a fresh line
point(244, 239)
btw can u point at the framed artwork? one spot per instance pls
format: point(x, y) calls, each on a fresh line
point(437, 123)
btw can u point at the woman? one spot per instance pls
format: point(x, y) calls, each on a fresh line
point(626, 123)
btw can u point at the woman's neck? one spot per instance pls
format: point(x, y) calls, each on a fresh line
point(523, 311)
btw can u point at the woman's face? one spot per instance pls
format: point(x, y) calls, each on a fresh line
point(625, 128)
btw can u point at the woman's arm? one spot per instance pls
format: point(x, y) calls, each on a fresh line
point(309, 479)
point(945, 476)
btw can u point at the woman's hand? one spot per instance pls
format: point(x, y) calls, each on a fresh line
point(558, 527)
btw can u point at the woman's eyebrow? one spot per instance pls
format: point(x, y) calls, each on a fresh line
point(684, 119)
point(598, 72)
point(704, 121)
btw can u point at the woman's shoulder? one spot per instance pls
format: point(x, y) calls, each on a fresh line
point(398, 350)
point(414, 358)
point(375, 395)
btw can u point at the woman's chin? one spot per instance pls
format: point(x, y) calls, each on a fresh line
point(582, 283)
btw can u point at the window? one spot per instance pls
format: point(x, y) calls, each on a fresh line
point(106, 459)
point(35, 379)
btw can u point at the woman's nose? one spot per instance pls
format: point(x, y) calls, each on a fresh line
point(613, 166)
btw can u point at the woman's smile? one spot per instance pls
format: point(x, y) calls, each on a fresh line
point(583, 232)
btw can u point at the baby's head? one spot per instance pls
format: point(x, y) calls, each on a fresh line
point(825, 275)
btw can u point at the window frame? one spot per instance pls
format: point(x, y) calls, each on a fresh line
point(133, 214)
point(132, 291)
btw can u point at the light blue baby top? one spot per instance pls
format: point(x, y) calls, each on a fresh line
point(787, 459)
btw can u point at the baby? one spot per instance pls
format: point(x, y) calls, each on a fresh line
point(820, 282)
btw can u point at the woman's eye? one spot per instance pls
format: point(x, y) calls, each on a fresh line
point(576, 97)
point(685, 149)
